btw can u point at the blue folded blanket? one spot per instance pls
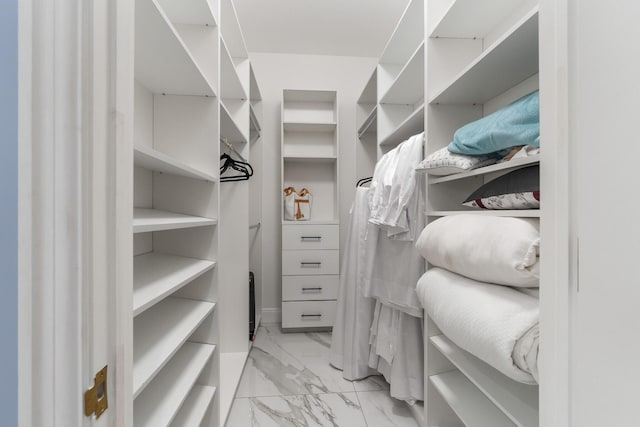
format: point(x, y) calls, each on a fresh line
point(516, 124)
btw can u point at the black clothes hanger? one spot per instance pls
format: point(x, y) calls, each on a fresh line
point(244, 169)
point(364, 181)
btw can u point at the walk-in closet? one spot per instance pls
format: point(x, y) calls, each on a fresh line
point(286, 213)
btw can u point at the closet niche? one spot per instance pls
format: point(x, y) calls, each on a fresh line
point(310, 247)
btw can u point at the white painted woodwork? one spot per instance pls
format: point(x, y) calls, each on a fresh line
point(310, 262)
point(231, 367)
point(500, 167)
point(307, 288)
point(308, 314)
point(145, 220)
point(159, 162)
point(310, 236)
point(194, 408)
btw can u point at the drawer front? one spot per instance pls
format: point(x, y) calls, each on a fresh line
point(308, 314)
point(309, 288)
point(310, 237)
point(310, 263)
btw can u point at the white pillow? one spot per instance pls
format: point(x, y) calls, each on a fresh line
point(444, 162)
point(499, 250)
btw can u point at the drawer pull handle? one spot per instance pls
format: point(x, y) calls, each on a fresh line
point(306, 316)
point(318, 289)
point(305, 264)
point(307, 238)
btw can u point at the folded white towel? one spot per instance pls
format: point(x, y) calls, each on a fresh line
point(495, 323)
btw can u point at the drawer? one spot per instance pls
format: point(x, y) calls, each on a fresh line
point(308, 314)
point(306, 263)
point(308, 288)
point(310, 237)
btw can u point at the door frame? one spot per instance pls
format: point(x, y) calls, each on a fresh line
point(75, 172)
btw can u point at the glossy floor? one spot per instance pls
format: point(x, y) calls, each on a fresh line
point(288, 382)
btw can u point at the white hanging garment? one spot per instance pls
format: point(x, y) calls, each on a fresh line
point(350, 337)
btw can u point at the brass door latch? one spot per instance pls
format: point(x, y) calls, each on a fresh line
point(95, 399)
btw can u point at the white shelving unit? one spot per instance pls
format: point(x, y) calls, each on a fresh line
point(367, 123)
point(189, 308)
point(480, 56)
point(310, 149)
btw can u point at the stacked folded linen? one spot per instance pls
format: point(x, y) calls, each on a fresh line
point(497, 324)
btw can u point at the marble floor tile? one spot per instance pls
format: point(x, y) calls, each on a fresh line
point(319, 410)
point(282, 364)
point(381, 410)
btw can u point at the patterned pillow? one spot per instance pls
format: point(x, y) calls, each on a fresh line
point(519, 189)
point(443, 162)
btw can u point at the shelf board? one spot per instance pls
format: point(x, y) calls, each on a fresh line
point(231, 367)
point(303, 158)
point(309, 127)
point(522, 213)
point(254, 89)
point(253, 120)
point(473, 19)
point(231, 86)
point(145, 220)
point(469, 404)
point(412, 125)
point(510, 60)
point(163, 63)
point(312, 222)
point(159, 332)
point(189, 12)
point(518, 401)
point(511, 164)
point(408, 87)
point(160, 402)
point(369, 124)
point(408, 33)
point(156, 276)
point(153, 160)
point(195, 407)
point(229, 129)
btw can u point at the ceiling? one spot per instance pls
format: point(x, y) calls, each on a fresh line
point(319, 27)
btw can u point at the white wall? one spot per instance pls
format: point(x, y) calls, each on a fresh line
point(275, 72)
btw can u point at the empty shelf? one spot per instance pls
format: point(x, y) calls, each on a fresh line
point(159, 332)
point(511, 164)
point(191, 12)
point(369, 124)
point(469, 404)
point(522, 213)
point(155, 276)
point(145, 220)
point(153, 160)
point(471, 18)
point(253, 119)
point(408, 87)
point(509, 61)
point(231, 367)
point(518, 401)
point(412, 125)
point(160, 402)
point(195, 407)
point(231, 87)
point(163, 63)
point(229, 129)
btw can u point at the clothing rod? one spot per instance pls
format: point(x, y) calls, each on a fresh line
point(228, 144)
point(255, 226)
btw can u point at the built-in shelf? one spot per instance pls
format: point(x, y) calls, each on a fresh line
point(229, 129)
point(160, 332)
point(231, 367)
point(473, 19)
point(469, 404)
point(195, 407)
point(145, 220)
point(408, 34)
point(154, 160)
point(163, 62)
point(369, 124)
point(412, 125)
point(408, 87)
point(312, 222)
point(522, 213)
point(160, 402)
point(254, 122)
point(510, 60)
point(309, 127)
point(156, 276)
point(190, 12)
point(231, 87)
point(518, 401)
point(504, 166)
point(369, 94)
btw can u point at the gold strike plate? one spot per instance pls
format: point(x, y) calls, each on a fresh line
point(95, 399)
